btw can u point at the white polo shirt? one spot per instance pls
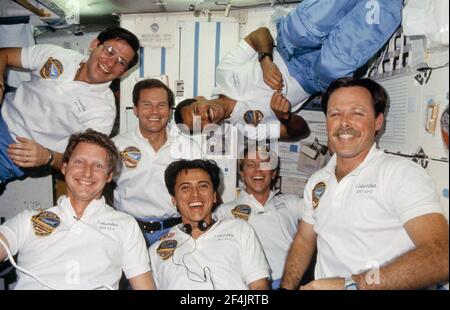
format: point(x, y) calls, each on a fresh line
point(141, 190)
point(228, 256)
point(49, 110)
point(239, 77)
point(275, 223)
point(78, 254)
point(360, 220)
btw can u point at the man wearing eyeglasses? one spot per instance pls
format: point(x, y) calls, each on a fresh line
point(67, 93)
point(146, 152)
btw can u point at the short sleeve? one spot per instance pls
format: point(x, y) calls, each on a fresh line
point(295, 205)
point(34, 57)
point(308, 210)
point(223, 211)
point(239, 55)
point(254, 263)
point(153, 262)
point(135, 255)
point(17, 230)
point(410, 191)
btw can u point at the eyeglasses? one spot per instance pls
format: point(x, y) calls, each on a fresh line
point(109, 52)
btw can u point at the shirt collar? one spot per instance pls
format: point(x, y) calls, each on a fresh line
point(171, 135)
point(245, 195)
point(374, 153)
point(98, 87)
point(94, 206)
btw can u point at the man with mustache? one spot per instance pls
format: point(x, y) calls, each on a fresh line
point(145, 154)
point(67, 93)
point(376, 217)
point(202, 253)
point(260, 88)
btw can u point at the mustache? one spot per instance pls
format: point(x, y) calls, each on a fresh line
point(346, 131)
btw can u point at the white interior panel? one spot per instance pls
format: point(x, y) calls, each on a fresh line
point(206, 54)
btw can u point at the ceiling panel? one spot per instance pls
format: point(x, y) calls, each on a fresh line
point(104, 12)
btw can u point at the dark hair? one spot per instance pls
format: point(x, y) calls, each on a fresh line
point(177, 115)
point(172, 171)
point(272, 156)
point(97, 138)
point(119, 33)
point(258, 149)
point(379, 94)
point(149, 84)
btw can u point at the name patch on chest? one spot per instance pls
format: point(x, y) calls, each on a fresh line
point(225, 236)
point(365, 188)
point(107, 225)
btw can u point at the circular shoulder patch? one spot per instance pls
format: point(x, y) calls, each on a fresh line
point(253, 117)
point(317, 193)
point(242, 212)
point(52, 69)
point(131, 156)
point(167, 248)
point(44, 223)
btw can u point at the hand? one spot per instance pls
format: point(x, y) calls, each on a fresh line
point(280, 105)
point(28, 153)
point(325, 284)
point(271, 74)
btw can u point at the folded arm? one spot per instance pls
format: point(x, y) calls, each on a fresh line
point(422, 267)
point(261, 41)
point(299, 256)
point(293, 127)
point(28, 153)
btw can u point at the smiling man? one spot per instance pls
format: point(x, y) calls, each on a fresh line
point(145, 153)
point(82, 243)
point(261, 86)
point(67, 93)
point(201, 253)
point(376, 217)
point(273, 216)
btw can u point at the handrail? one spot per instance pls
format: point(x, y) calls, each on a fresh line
point(33, 9)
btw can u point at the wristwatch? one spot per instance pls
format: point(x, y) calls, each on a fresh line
point(286, 121)
point(51, 156)
point(350, 284)
point(262, 55)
